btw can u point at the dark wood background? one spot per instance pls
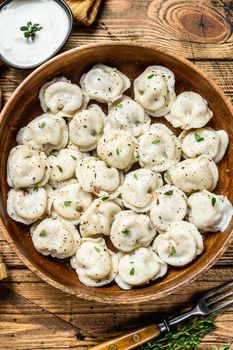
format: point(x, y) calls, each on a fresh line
point(34, 315)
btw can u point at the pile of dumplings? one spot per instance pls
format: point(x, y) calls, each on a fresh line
point(72, 180)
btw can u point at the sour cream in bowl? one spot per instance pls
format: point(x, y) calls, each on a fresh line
point(32, 31)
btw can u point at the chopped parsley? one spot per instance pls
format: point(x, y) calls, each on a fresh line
point(126, 232)
point(213, 201)
point(168, 193)
point(120, 105)
point(67, 203)
point(36, 188)
point(167, 175)
point(73, 157)
point(104, 198)
point(198, 138)
point(43, 233)
point(156, 142)
point(60, 168)
point(42, 125)
point(132, 271)
point(117, 151)
point(135, 176)
point(97, 249)
point(150, 76)
point(172, 251)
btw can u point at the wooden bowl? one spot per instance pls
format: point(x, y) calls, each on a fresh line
point(132, 60)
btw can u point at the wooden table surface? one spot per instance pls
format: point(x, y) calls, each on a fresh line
point(34, 315)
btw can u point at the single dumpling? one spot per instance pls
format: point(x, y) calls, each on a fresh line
point(86, 128)
point(138, 268)
point(98, 218)
point(60, 97)
point(154, 90)
point(192, 175)
point(138, 189)
point(104, 84)
point(55, 237)
point(159, 148)
point(204, 141)
point(62, 165)
point(29, 204)
point(209, 212)
point(27, 167)
point(180, 245)
point(46, 133)
point(189, 110)
point(118, 149)
point(127, 115)
point(70, 201)
point(131, 230)
point(94, 263)
point(95, 176)
point(170, 204)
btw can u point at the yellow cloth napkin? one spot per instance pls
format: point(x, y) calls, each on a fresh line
point(84, 11)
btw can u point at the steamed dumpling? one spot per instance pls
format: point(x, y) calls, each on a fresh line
point(70, 201)
point(128, 115)
point(56, 237)
point(189, 110)
point(131, 230)
point(60, 97)
point(138, 189)
point(87, 127)
point(204, 141)
point(170, 204)
point(98, 218)
point(159, 148)
point(118, 149)
point(154, 90)
point(138, 268)
point(94, 263)
point(62, 165)
point(96, 176)
point(104, 84)
point(195, 174)
point(46, 133)
point(30, 204)
point(27, 167)
point(181, 243)
point(209, 212)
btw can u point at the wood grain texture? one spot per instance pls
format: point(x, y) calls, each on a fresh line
point(118, 20)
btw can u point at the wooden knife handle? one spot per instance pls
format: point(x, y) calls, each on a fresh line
point(130, 340)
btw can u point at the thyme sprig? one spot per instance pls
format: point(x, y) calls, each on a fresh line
point(188, 337)
point(30, 30)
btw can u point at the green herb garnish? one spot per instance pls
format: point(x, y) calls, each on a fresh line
point(167, 175)
point(186, 337)
point(172, 250)
point(36, 188)
point(104, 198)
point(42, 125)
point(150, 76)
point(135, 176)
point(30, 30)
point(43, 233)
point(168, 193)
point(156, 142)
point(67, 203)
point(73, 157)
point(95, 175)
point(120, 105)
point(117, 151)
point(198, 138)
point(97, 249)
point(126, 232)
point(213, 201)
point(60, 168)
point(132, 271)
